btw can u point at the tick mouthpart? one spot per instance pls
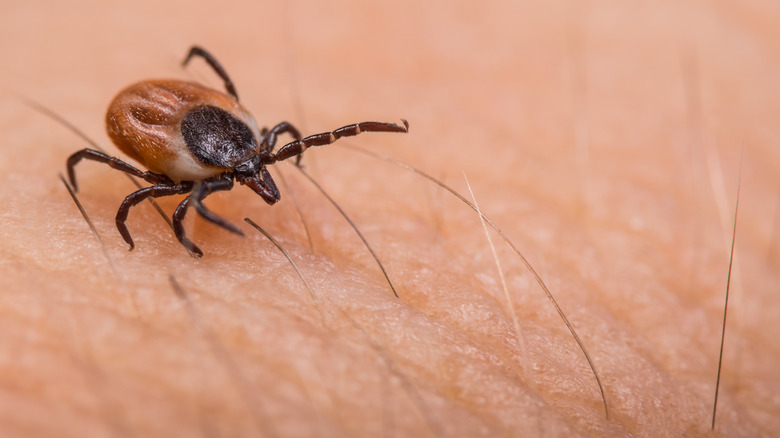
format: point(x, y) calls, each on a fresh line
point(269, 192)
point(249, 168)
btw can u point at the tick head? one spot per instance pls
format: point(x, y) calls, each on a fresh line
point(253, 174)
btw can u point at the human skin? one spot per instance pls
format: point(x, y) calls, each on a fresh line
point(603, 138)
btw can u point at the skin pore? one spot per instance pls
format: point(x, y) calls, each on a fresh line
point(604, 139)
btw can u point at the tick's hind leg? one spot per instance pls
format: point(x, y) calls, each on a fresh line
point(116, 163)
point(136, 197)
point(200, 192)
point(212, 61)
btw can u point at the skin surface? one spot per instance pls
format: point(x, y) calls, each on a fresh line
point(603, 137)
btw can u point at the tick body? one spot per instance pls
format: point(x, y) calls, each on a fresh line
point(195, 140)
point(183, 130)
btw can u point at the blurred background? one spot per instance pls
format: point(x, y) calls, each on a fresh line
point(605, 138)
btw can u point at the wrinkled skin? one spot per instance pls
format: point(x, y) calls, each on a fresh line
point(602, 137)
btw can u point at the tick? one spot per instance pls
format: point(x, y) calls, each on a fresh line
point(196, 140)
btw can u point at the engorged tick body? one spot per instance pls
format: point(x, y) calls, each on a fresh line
point(196, 139)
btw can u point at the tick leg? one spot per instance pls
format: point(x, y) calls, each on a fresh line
point(178, 228)
point(200, 191)
point(212, 61)
point(269, 138)
point(206, 188)
point(297, 147)
point(116, 163)
point(138, 196)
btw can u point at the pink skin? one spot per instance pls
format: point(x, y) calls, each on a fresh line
point(604, 139)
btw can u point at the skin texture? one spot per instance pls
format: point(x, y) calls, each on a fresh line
point(603, 137)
